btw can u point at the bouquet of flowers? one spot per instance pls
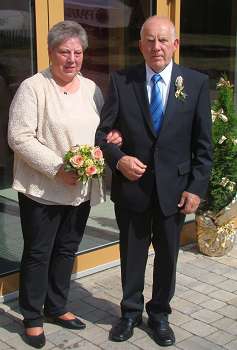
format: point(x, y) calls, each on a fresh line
point(86, 161)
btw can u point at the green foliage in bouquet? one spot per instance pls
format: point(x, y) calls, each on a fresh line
point(223, 181)
point(85, 161)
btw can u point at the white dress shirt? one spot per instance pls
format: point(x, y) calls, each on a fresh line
point(163, 83)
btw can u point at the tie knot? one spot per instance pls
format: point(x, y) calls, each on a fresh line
point(155, 78)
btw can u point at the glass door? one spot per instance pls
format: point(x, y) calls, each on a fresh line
point(208, 38)
point(17, 62)
point(113, 29)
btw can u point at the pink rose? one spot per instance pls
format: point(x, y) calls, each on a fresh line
point(91, 170)
point(77, 161)
point(97, 153)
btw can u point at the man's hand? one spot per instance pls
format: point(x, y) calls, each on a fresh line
point(131, 167)
point(68, 178)
point(189, 203)
point(115, 137)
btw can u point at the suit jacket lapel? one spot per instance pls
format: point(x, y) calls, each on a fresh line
point(171, 101)
point(139, 84)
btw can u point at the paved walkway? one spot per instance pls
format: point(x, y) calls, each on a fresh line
point(204, 309)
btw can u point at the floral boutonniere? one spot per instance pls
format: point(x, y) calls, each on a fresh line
point(179, 92)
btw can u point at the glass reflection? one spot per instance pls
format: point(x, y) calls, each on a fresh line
point(208, 37)
point(113, 28)
point(16, 63)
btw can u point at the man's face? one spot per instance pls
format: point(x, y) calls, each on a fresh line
point(158, 43)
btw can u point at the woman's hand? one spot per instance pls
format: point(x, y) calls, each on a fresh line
point(115, 137)
point(68, 178)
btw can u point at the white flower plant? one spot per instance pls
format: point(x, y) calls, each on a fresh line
point(223, 182)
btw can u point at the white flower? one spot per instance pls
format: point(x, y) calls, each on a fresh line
point(222, 139)
point(224, 181)
point(219, 114)
point(179, 93)
point(179, 82)
point(231, 186)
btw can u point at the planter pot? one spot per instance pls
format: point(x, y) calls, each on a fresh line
point(216, 234)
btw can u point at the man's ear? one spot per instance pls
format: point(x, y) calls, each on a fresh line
point(176, 43)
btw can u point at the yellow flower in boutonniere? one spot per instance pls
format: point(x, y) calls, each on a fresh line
point(179, 93)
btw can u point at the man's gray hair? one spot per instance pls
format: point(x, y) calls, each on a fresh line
point(65, 30)
point(161, 18)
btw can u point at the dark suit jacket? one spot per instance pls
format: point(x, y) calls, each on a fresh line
point(179, 159)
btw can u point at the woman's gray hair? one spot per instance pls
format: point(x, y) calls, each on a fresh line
point(65, 30)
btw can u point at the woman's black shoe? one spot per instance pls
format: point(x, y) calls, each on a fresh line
point(75, 323)
point(36, 341)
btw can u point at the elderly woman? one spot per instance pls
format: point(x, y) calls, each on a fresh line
point(52, 111)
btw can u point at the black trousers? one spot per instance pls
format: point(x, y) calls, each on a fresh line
point(137, 232)
point(51, 235)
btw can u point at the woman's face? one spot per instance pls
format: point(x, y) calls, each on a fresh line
point(66, 59)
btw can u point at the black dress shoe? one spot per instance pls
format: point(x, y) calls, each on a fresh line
point(123, 330)
point(162, 333)
point(36, 341)
point(76, 323)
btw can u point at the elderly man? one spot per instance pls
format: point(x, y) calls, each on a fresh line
point(159, 174)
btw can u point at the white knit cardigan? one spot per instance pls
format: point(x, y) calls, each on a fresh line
point(43, 125)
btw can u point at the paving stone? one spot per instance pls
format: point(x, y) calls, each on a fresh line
point(221, 337)
point(232, 274)
point(185, 280)
point(184, 306)
point(232, 345)
point(229, 285)
point(95, 335)
point(229, 261)
point(82, 345)
point(4, 346)
point(218, 268)
point(18, 343)
point(227, 324)
point(107, 322)
point(214, 304)
point(199, 328)
point(232, 301)
point(197, 343)
point(121, 346)
point(179, 289)
point(207, 316)
point(98, 303)
point(177, 318)
point(223, 295)
point(229, 311)
point(147, 343)
point(195, 297)
point(203, 317)
point(64, 337)
point(80, 307)
point(10, 330)
point(204, 288)
point(5, 319)
point(212, 278)
point(95, 317)
point(180, 334)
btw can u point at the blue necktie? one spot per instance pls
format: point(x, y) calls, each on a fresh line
point(156, 107)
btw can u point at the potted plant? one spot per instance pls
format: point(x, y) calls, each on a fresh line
point(216, 226)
